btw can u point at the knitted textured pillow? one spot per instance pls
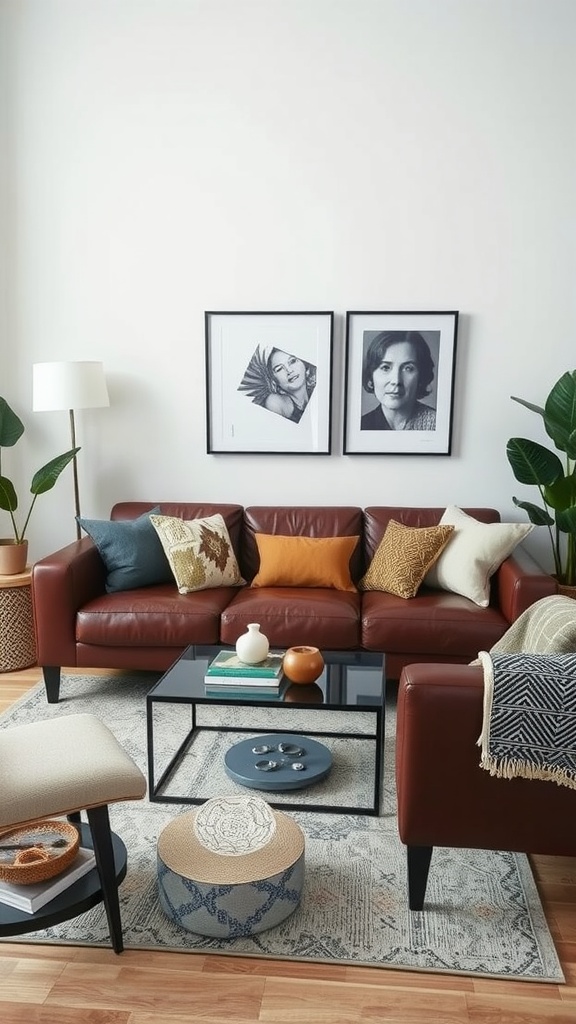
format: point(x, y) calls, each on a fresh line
point(199, 552)
point(403, 557)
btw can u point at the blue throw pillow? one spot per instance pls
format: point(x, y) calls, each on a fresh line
point(130, 550)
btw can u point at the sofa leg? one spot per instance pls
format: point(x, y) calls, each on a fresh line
point(419, 858)
point(52, 682)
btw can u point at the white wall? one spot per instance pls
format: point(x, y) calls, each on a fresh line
point(172, 156)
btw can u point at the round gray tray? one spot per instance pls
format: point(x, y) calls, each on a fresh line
point(240, 762)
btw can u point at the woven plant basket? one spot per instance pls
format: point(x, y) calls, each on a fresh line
point(566, 591)
point(37, 861)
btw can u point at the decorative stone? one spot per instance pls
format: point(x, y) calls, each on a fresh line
point(234, 866)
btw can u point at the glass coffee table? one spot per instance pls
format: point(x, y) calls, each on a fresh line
point(345, 707)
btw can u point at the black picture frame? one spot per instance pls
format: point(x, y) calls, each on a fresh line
point(255, 404)
point(416, 382)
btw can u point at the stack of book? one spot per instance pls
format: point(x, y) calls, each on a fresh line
point(31, 898)
point(227, 675)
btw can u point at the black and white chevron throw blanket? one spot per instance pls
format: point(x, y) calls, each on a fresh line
point(529, 723)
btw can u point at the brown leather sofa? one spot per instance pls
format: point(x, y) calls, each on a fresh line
point(79, 625)
point(445, 799)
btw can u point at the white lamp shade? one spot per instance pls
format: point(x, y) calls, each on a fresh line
point(68, 385)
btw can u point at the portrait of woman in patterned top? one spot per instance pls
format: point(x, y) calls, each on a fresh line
point(398, 370)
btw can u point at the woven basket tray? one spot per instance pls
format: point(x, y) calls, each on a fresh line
point(37, 859)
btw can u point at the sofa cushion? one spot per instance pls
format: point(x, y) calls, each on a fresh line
point(319, 616)
point(199, 552)
point(473, 555)
point(131, 551)
point(403, 557)
point(304, 561)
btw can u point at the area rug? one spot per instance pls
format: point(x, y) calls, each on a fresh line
point(482, 915)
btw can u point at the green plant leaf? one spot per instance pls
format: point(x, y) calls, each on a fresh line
point(8, 497)
point(11, 426)
point(45, 478)
point(528, 405)
point(532, 463)
point(538, 516)
point(562, 493)
point(560, 413)
point(566, 520)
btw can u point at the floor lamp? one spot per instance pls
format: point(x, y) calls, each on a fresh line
point(69, 385)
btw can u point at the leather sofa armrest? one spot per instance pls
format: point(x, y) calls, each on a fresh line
point(62, 583)
point(439, 721)
point(520, 582)
point(444, 797)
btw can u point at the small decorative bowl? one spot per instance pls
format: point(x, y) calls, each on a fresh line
point(303, 664)
point(38, 851)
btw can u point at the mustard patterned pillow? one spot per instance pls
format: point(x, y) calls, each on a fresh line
point(403, 557)
point(199, 552)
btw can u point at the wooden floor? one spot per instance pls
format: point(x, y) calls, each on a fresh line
point(72, 985)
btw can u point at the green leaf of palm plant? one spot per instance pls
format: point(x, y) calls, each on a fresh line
point(534, 464)
point(11, 427)
point(42, 481)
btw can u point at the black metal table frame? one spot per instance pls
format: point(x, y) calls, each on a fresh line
point(334, 677)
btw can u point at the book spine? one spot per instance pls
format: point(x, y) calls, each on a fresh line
point(253, 694)
point(244, 673)
point(244, 682)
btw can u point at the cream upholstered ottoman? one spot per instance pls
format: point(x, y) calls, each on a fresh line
point(232, 867)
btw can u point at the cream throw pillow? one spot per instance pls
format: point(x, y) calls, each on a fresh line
point(474, 553)
point(199, 551)
point(403, 558)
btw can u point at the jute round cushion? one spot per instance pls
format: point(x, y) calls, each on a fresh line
point(233, 866)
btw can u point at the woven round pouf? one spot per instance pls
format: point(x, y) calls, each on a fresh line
point(232, 867)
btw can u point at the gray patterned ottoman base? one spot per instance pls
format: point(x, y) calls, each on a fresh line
point(232, 867)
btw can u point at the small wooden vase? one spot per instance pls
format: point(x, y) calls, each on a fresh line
point(303, 664)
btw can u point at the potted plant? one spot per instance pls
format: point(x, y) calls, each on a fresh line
point(555, 479)
point(13, 550)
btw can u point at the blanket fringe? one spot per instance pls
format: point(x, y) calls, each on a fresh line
point(511, 768)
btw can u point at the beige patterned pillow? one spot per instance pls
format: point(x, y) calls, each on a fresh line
point(403, 558)
point(199, 551)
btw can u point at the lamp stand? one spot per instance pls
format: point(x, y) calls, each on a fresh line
point(75, 472)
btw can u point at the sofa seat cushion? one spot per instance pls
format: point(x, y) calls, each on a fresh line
point(436, 623)
point(153, 617)
point(324, 618)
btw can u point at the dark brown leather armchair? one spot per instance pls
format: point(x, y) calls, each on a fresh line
point(445, 798)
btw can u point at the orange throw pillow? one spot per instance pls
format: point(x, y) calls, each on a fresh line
point(304, 561)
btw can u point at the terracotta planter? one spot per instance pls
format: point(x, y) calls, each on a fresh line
point(567, 591)
point(12, 557)
point(303, 664)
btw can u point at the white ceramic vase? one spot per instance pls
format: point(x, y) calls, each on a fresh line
point(252, 646)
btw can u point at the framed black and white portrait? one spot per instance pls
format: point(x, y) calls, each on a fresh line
point(269, 382)
point(399, 383)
